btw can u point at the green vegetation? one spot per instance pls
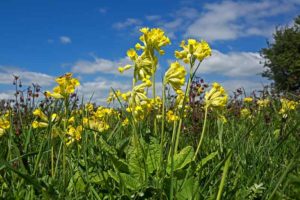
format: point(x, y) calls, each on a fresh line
point(196, 144)
point(283, 58)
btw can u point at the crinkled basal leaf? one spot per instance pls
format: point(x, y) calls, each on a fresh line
point(77, 182)
point(106, 147)
point(190, 190)
point(184, 157)
point(136, 162)
point(153, 156)
point(130, 182)
point(120, 165)
point(206, 159)
point(125, 179)
point(97, 178)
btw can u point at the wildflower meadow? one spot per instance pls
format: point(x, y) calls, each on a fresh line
point(189, 140)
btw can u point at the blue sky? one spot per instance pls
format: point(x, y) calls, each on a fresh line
point(40, 40)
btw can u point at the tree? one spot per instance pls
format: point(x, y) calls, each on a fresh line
point(282, 58)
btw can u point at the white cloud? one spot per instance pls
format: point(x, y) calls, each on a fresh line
point(100, 88)
point(65, 40)
point(129, 22)
point(232, 64)
point(232, 19)
point(7, 95)
point(27, 77)
point(100, 65)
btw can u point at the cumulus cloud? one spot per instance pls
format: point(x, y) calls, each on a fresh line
point(233, 64)
point(129, 22)
point(232, 19)
point(65, 40)
point(100, 65)
point(99, 89)
point(28, 77)
point(7, 95)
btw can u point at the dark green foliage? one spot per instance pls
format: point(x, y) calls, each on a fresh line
point(283, 58)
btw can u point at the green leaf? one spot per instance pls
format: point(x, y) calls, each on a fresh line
point(184, 157)
point(129, 182)
point(206, 159)
point(153, 157)
point(106, 147)
point(120, 165)
point(189, 190)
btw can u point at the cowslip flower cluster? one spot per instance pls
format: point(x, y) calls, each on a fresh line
point(171, 116)
point(138, 102)
point(248, 99)
point(193, 50)
point(99, 120)
point(145, 63)
point(73, 134)
point(287, 105)
point(245, 113)
point(216, 97)
point(153, 39)
point(4, 124)
point(262, 103)
point(175, 76)
point(43, 119)
point(66, 86)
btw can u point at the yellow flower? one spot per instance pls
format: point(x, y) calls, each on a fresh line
point(153, 39)
point(180, 99)
point(54, 95)
point(74, 134)
point(248, 99)
point(71, 120)
point(126, 67)
point(262, 103)
point(131, 53)
point(175, 76)
point(142, 66)
point(125, 122)
point(89, 107)
point(4, 125)
point(54, 117)
point(171, 117)
point(193, 50)
point(66, 86)
point(36, 124)
point(245, 113)
point(38, 112)
point(287, 105)
point(216, 97)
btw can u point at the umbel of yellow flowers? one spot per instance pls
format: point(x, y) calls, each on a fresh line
point(145, 64)
point(216, 97)
point(193, 50)
point(4, 124)
point(66, 86)
point(175, 76)
point(287, 105)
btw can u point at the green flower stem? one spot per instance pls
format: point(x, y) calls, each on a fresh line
point(187, 92)
point(225, 171)
point(202, 134)
point(162, 136)
point(171, 154)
